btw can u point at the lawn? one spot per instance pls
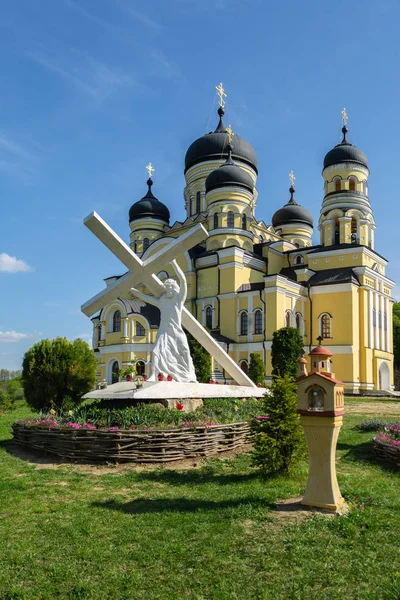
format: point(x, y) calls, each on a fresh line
point(211, 532)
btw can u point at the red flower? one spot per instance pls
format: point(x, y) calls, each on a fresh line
point(179, 406)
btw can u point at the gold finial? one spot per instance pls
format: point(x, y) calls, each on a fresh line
point(292, 178)
point(150, 169)
point(221, 94)
point(344, 117)
point(230, 134)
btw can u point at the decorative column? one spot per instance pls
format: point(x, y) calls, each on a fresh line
point(382, 309)
point(320, 401)
point(377, 346)
point(102, 339)
point(345, 230)
point(125, 328)
point(371, 319)
point(388, 324)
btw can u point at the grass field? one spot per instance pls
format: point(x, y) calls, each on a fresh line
point(210, 532)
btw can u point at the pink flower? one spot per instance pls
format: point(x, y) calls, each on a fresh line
point(262, 417)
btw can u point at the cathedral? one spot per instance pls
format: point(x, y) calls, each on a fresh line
point(249, 278)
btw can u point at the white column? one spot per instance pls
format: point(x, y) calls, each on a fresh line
point(377, 346)
point(371, 321)
point(388, 337)
point(103, 330)
point(125, 330)
point(382, 309)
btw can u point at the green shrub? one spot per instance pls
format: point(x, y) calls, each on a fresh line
point(57, 373)
point(285, 351)
point(201, 359)
point(278, 440)
point(256, 369)
point(372, 425)
point(11, 394)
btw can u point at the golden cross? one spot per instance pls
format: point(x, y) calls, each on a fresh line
point(344, 116)
point(292, 178)
point(230, 133)
point(221, 94)
point(150, 169)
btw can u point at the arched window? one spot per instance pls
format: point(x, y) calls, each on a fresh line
point(337, 231)
point(115, 372)
point(146, 244)
point(198, 196)
point(135, 247)
point(288, 319)
point(244, 222)
point(338, 185)
point(354, 237)
point(298, 260)
point(230, 222)
point(140, 368)
point(326, 326)
point(140, 330)
point(209, 317)
point(243, 365)
point(298, 321)
point(244, 323)
point(98, 333)
point(258, 322)
point(216, 223)
point(117, 321)
point(352, 184)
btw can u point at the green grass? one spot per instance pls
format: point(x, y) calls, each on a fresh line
point(208, 533)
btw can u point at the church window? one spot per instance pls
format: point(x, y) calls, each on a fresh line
point(244, 222)
point(209, 317)
point(146, 244)
point(298, 260)
point(337, 231)
point(140, 368)
point(374, 317)
point(244, 366)
point(379, 319)
point(98, 333)
point(352, 184)
point(258, 322)
point(287, 319)
point(198, 196)
point(244, 323)
point(115, 372)
point(140, 330)
point(216, 223)
point(325, 326)
point(135, 247)
point(338, 185)
point(354, 238)
point(298, 321)
point(230, 219)
point(116, 321)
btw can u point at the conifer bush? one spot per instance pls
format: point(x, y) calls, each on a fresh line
point(287, 343)
point(256, 369)
point(201, 359)
point(278, 436)
point(57, 373)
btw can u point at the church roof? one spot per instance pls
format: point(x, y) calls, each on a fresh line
point(345, 152)
point(229, 175)
point(149, 207)
point(333, 276)
point(292, 212)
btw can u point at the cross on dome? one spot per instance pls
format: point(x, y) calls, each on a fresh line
point(230, 134)
point(292, 178)
point(150, 169)
point(221, 94)
point(344, 117)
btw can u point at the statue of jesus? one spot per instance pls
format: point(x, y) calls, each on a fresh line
point(171, 354)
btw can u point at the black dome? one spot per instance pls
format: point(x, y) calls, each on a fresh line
point(229, 174)
point(149, 207)
point(345, 152)
point(292, 213)
point(213, 146)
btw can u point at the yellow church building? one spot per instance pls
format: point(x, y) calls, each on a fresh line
point(249, 279)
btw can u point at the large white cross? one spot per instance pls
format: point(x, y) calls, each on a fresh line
point(142, 273)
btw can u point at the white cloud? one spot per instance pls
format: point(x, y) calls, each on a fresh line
point(11, 264)
point(12, 336)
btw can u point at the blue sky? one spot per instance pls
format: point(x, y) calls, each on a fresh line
point(92, 90)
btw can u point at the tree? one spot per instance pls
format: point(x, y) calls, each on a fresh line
point(201, 359)
point(278, 440)
point(57, 373)
point(256, 368)
point(285, 352)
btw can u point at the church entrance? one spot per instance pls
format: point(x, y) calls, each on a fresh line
point(384, 376)
point(115, 372)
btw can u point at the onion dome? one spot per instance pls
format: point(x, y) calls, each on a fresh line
point(229, 174)
point(345, 152)
point(213, 146)
point(149, 207)
point(292, 213)
point(320, 351)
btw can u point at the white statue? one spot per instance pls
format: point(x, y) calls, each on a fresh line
point(171, 354)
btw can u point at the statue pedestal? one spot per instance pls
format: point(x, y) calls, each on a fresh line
point(322, 489)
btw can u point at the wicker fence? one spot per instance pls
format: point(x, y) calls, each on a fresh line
point(155, 446)
point(385, 451)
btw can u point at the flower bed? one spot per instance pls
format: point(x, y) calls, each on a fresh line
point(386, 444)
point(133, 445)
